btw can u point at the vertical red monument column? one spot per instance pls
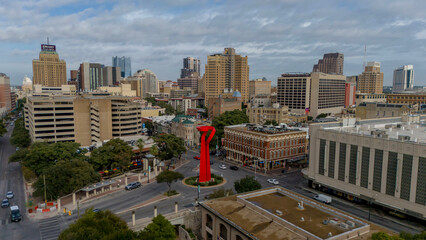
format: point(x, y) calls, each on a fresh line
point(205, 153)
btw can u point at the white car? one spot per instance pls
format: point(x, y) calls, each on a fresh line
point(222, 166)
point(273, 181)
point(9, 194)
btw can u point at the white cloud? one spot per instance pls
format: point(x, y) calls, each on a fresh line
point(305, 24)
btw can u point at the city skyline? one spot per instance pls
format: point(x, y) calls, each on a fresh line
point(277, 37)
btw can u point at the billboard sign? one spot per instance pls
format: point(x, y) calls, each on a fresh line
point(49, 48)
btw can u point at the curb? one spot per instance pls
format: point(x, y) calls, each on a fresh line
point(204, 187)
point(148, 203)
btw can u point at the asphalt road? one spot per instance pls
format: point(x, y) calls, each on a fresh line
point(11, 179)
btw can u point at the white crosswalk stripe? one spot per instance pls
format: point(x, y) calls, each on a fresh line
point(49, 228)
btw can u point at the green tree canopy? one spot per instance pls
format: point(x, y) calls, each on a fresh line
point(19, 155)
point(3, 129)
point(170, 146)
point(159, 229)
point(114, 153)
point(151, 100)
point(246, 184)
point(65, 177)
point(226, 119)
point(42, 155)
point(169, 109)
point(221, 192)
point(273, 122)
point(169, 177)
point(103, 225)
point(141, 144)
point(402, 236)
point(20, 136)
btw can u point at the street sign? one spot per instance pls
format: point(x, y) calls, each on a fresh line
point(198, 188)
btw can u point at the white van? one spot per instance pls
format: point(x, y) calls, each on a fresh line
point(323, 198)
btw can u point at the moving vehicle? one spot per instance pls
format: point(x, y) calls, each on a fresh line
point(222, 166)
point(5, 203)
point(273, 181)
point(96, 210)
point(15, 215)
point(197, 158)
point(323, 198)
point(133, 185)
point(10, 194)
point(235, 168)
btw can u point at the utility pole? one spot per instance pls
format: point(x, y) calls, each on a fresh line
point(45, 198)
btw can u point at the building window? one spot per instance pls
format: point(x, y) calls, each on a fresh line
point(421, 183)
point(209, 221)
point(321, 157)
point(377, 175)
point(353, 157)
point(391, 179)
point(331, 159)
point(223, 233)
point(238, 237)
point(407, 165)
point(365, 162)
point(342, 161)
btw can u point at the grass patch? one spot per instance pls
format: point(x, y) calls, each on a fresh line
point(213, 182)
point(171, 193)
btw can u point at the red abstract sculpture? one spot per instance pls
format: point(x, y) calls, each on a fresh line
point(205, 154)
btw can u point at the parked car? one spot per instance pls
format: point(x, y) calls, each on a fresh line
point(96, 210)
point(197, 158)
point(323, 198)
point(5, 203)
point(222, 166)
point(235, 168)
point(273, 181)
point(133, 185)
point(10, 194)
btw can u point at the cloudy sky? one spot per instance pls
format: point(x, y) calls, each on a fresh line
point(277, 36)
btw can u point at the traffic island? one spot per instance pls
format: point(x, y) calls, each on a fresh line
point(215, 181)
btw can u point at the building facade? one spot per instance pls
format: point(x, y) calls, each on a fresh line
point(403, 78)
point(191, 67)
point(82, 119)
point(144, 81)
point(264, 147)
point(312, 93)
point(259, 87)
point(189, 82)
point(222, 104)
point(369, 97)
point(381, 161)
point(5, 97)
point(350, 91)
point(260, 115)
point(332, 63)
point(371, 80)
point(125, 65)
point(227, 71)
point(49, 70)
point(178, 93)
point(374, 110)
point(112, 76)
point(407, 98)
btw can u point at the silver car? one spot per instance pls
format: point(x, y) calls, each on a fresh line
point(5, 203)
point(9, 194)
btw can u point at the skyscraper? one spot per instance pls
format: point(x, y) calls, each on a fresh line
point(125, 65)
point(332, 63)
point(94, 75)
point(191, 67)
point(48, 70)
point(227, 71)
point(144, 81)
point(403, 78)
point(371, 80)
point(5, 97)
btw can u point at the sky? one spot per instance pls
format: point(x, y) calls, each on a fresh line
point(277, 36)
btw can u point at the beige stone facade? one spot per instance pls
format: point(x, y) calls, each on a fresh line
point(226, 71)
point(377, 160)
point(381, 110)
point(331, 63)
point(49, 70)
point(259, 115)
point(122, 90)
point(5, 95)
point(264, 147)
point(371, 80)
point(407, 98)
point(221, 104)
point(259, 87)
point(185, 127)
point(369, 97)
point(82, 119)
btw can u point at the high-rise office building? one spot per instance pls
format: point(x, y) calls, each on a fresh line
point(49, 70)
point(259, 87)
point(312, 93)
point(125, 65)
point(5, 98)
point(144, 81)
point(403, 78)
point(371, 80)
point(191, 67)
point(112, 76)
point(332, 63)
point(226, 71)
point(94, 75)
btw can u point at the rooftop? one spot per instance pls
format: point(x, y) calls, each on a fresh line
point(276, 213)
point(264, 129)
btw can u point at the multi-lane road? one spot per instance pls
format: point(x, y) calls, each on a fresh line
point(121, 202)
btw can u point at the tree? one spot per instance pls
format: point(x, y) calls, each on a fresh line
point(140, 143)
point(64, 178)
point(169, 109)
point(247, 184)
point(151, 100)
point(225, 119)
point(159, 229)
point(149, 125)
point(221, 192)
point(322, 115)
point(384, 236)
point(19, 155)
point(20, 136)
point(3, 129)
point(273, 122)
point(169, 146)
point(169, 177)
point(20, 105)
point(42, 155)
point(114, 153)
point(101, 225)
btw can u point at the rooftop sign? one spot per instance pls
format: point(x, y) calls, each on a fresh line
point(48, 48)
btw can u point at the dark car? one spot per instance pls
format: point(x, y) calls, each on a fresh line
point(133, 185)
point(96, 210)
point(5, 203)
point(235, 168)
